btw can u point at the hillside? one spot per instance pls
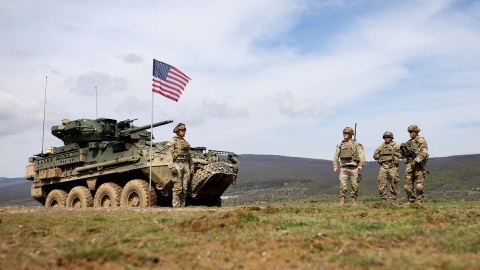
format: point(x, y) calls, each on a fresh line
point(16, 191)
point(277, 178)
point(269, 178)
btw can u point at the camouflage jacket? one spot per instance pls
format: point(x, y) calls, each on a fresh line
point(388, 154)
point(350, 154)
point(178, 150)
point(419, 146)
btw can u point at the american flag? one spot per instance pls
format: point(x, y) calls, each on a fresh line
point(168, 81)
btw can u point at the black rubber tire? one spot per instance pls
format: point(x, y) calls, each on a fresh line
point(107, 195)
point(135, 194)
point(56, 198)
point(79, 197)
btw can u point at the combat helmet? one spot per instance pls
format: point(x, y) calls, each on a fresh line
point(388, 133)
point(348, 130)
point(180, 126)
point(413, 128)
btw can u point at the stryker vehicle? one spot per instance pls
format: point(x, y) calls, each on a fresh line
point(105, 163)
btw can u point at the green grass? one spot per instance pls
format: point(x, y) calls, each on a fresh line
point(99, 253)
point(443, 235)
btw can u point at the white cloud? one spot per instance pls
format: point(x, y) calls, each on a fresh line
point(289, 106)
point(88, 82)
point(132, 58)
point(17, 113)
point(264, 74)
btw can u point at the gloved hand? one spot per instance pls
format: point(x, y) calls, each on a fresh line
point(413, 164)
point(174, 170)
point(192, 170)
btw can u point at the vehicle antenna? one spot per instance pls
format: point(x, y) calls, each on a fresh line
point(96, 103)
point(44, 106)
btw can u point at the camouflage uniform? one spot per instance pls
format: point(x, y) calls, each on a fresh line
point(415, 171)
point(388, 156)
point(180, 161)
point(351, 156)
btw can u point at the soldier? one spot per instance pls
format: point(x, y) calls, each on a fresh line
point(415, 155)
point(352, 159)
point(388, 156)
point(181, 165)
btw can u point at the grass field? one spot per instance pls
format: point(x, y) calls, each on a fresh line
point(303, 235)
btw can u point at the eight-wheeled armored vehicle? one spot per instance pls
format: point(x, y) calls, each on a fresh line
point(105, 163)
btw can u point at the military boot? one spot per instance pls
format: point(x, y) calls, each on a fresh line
point(384, 201)
point(392, 201)
point(342, 200)
point(409, 204)
point(354, 201)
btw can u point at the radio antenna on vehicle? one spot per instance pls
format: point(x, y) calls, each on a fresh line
point(44, 106)
point(96, 103)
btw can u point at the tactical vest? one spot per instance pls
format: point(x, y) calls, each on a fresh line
point(349, 151)
point(181, 150)
point(415, 146)
point(386, 153)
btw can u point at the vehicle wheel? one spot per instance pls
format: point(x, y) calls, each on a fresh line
point(135, 194)
point(79, 197)
point(56, 198)
point(107, 195)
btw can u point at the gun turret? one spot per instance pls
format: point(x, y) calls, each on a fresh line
point(132, 130)
point(83, 131)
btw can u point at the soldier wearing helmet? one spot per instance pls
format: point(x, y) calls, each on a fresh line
point(415, 154)
point(388, 156)
point(352, 159)
point(181, 164)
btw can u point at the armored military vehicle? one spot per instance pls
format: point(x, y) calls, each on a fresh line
point(105, 163)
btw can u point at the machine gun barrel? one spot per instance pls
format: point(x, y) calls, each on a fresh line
point(137, 129)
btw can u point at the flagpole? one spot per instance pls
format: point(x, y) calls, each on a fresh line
point(151, 154)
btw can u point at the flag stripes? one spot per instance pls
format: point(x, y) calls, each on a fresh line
point(168, 81)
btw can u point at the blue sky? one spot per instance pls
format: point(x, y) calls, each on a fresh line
point(268, 77)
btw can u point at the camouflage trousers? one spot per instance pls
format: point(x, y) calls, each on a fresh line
point(349, 173)
point(180, 184)
point(415, 175)
point(385, 176)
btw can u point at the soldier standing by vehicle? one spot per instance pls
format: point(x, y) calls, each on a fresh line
point(181, 165)
point(352, 159)
point(388, 156)
point(415, 155)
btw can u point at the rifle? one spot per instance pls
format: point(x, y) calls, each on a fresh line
point(355, 133)
point(411, 153)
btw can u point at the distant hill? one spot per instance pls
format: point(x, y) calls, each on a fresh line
point(4, 182)
point(278, 178)
point(16, 191)
point(271, 178)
